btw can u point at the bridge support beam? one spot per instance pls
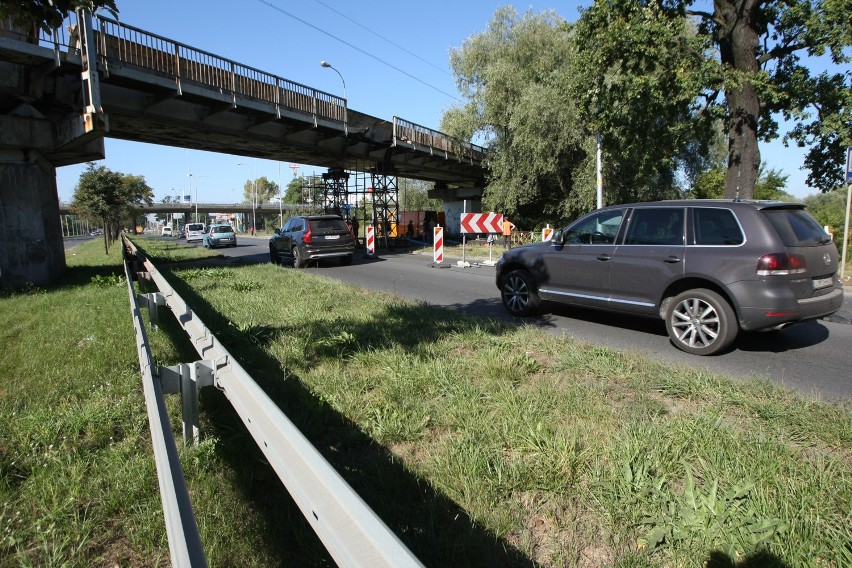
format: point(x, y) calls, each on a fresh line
point(31, 246)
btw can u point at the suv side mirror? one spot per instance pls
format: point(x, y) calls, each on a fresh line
point(558, 238)
point(277, 231)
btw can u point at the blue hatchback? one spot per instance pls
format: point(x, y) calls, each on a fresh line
point(220, 236)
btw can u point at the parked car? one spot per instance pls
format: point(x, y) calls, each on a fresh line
point(709, 268)
point(166, 231)
point(312, 237)
point(220, 236)
point(194, 232)
point(182, 232)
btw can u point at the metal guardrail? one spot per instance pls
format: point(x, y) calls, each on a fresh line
point(351, 532)
point(181, 528)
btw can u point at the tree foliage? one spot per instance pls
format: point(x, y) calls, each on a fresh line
point(48, 14)
point(514, 76)
point(661, 82)
point(753, 75)
point(265, 188)
point(414, 196)
point(110, 198)
point(293, 193)
point(829, 209)
point(641, 70)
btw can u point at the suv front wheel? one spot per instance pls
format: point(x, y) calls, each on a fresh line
point(701, 322)
point(519, 294)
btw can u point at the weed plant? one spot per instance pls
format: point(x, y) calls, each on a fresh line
point(479, 443)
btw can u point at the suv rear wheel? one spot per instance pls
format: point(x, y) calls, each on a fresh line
point(518, 293)
point(298, 260)
point(701, 322)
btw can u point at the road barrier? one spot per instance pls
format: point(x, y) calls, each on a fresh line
point(351, 532)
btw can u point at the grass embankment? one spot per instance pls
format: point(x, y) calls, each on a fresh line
point(480, 443)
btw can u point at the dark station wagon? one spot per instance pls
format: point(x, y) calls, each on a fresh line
point(709, 268)
point(312, 237)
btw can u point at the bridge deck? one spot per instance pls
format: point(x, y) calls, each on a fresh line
point(154, 89)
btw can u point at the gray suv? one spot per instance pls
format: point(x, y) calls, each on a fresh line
point(709, 268)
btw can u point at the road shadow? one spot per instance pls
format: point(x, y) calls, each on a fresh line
point(435, 528)
point(798, 336)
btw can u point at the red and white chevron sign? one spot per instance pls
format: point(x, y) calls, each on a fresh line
point(482, 223)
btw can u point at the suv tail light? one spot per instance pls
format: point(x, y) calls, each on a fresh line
point(307, 237)
point(781, 263)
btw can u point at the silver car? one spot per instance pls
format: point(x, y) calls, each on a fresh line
point(709, 268)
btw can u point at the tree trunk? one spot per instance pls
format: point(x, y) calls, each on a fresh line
point(738, 44)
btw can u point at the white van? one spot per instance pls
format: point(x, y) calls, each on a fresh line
point(194, 232)
point(167, 231)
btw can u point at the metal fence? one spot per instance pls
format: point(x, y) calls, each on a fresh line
point(351, 532)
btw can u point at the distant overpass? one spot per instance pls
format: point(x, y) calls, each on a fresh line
point(205, 208)
point(62, 93)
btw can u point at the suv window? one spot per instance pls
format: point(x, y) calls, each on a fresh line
point(716, 227)
point(656, 226)
point(795, 227)
point(599, 228)
point(322, 226)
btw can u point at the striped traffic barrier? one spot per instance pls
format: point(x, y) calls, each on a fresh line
point(438, 239)
point(371, 240)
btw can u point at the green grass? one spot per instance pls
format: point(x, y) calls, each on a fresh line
point(480, 443)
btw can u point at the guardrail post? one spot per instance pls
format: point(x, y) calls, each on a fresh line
point(187, 379)
point(152, 301)
point(200, 375)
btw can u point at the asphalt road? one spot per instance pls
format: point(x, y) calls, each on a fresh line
point(813, 358)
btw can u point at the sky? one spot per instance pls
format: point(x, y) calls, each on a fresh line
point(392, 56)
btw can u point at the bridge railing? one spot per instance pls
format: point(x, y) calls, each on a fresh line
point(127, 45)
point(120, 43)
point(435, 142)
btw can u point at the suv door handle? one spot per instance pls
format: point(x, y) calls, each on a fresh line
point(672, 259)
point(604, 257)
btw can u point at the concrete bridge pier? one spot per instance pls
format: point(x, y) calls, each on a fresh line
point(31, 246)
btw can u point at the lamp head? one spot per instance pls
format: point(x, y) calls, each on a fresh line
point(325, 63)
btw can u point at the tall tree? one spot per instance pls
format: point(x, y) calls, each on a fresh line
point(641, 69)
point(759, 74)
point(514, 76)
point(265, 190)
point(109, 198)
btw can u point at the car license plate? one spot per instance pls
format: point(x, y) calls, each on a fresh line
point(332, 237)
point(822, 282)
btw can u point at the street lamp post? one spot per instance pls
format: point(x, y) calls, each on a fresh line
point(328, 65)
point(195, 199)
point(253, 197)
